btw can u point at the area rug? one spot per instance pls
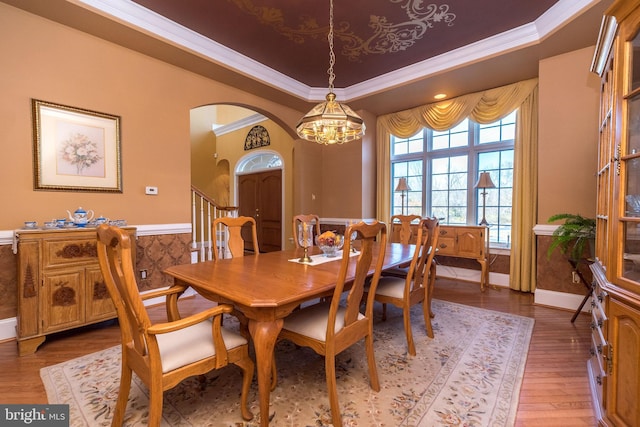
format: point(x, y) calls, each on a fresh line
point(468, 375)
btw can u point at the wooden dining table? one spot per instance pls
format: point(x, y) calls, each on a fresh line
point(265, 288)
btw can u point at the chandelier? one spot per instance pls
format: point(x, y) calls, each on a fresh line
point(331, 122)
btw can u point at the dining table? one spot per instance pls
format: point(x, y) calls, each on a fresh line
point(266, 287)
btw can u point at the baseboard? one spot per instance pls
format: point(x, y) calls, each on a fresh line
point(8, 326)
point(468, 275)
point(560, 300)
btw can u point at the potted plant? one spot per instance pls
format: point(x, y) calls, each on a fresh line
point(572, 236)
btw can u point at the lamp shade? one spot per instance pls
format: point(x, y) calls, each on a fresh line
point(402, 185)
point(484, 181)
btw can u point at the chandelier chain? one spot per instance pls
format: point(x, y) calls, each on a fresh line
point(332, 56)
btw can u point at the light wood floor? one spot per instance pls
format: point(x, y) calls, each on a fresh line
point(555, 390)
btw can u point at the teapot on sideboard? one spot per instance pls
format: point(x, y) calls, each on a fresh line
point(81, 217)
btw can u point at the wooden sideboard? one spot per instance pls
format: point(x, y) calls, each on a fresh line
point(466, 241)
point(60, 285)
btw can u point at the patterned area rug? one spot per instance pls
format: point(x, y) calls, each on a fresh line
point(470, 374)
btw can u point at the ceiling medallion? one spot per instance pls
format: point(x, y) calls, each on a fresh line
point(387, 37)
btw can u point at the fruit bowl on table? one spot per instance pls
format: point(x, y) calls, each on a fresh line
point(329, 243)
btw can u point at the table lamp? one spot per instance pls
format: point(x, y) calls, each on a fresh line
point(484, 182)
point(402, 187)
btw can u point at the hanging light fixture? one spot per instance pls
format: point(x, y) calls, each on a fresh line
point(331, 122)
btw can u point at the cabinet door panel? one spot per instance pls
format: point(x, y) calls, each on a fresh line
point(470, 243)
point(624, 384)
point(99, 304)
point(62, 304)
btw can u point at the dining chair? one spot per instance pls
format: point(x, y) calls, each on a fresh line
point(164, 354)
point(417, 286)
point(233, 227)
point(402, 231)
point(309, 219)
point(332, 326)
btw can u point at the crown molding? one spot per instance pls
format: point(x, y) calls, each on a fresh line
point(251, 120)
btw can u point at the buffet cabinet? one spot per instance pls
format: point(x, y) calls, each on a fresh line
point(466, 241)
point(614, 365)
point(60, 285)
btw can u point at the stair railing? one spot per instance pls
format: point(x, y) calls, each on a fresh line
point(203, 211)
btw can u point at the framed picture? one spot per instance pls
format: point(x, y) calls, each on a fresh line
point(75, 149)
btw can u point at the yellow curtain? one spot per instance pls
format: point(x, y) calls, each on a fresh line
point(482, 107)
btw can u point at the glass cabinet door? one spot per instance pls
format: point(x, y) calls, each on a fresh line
point(629, 170)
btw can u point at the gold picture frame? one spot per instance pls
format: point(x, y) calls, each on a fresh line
point(75, 149)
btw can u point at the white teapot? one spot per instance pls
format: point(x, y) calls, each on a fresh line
point(80, 217)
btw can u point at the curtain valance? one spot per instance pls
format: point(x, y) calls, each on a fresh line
point(481, 107)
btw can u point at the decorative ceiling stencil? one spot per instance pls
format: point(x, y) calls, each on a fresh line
point(372, 37)
point(384, 37)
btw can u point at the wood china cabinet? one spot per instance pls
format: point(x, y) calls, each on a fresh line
point(614, 366)
point(60, 285)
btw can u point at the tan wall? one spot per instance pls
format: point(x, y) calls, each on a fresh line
point(203, 148)
point(51, 62)
point(568, 131)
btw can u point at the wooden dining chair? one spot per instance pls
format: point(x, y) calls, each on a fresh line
point(333, 326)
point(164, 354)
point(403, 230)
point(233, 227)
point(417, 286)
point(309, 219)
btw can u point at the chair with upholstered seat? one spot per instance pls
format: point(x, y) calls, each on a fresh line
point(417, 286)
point(333, 326)
point(233, 228)
point(164, 354)
point(309, 219)
point(402, 230)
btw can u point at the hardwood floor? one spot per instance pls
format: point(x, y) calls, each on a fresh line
point(555, 390)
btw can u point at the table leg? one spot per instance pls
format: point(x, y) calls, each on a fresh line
point(484, 275)
point(264, 335)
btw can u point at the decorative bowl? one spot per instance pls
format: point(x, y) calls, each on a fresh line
point(329, 243)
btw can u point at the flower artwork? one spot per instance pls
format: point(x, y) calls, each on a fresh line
point(75, 149)
point(80, 151)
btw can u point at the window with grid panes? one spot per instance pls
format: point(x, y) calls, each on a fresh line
point(442, 168)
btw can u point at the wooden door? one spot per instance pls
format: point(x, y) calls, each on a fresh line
point(260, 197)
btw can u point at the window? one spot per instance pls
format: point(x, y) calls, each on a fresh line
point(259, 161)
point(442, 169)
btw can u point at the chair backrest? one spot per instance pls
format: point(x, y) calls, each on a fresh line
point(401, 230)
point(367, 235)
point(114, 255)
point(428, 231)
point(236, 242)
point(307, 218)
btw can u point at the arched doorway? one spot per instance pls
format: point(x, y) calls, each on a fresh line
point(219, 154)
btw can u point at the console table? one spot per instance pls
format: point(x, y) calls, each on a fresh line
point(466, 241)
point(60, 285)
